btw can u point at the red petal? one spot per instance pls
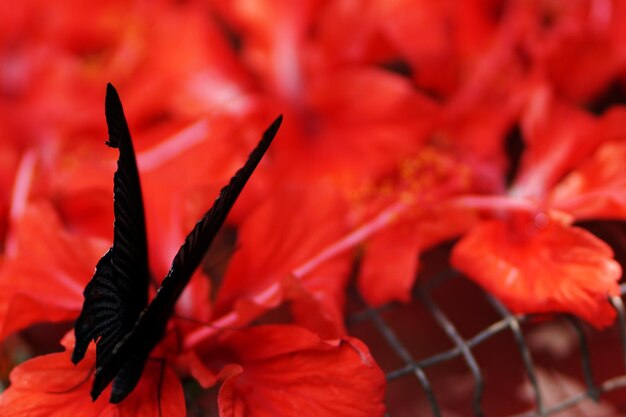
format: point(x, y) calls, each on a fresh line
point(391, 260)
point(9, 165)
point(560, 138)
point(51, 385)
point(304, 377)
point(597, 189)
point(450, 37)
point(80, 181)
point(273, 31)
point(349, 136)
point(390, 266)
point(190, 362)
point(265, 342)
point(582, 62)
point(556, 136)
point(229, 402)
point(534, 269)
point(44, 280)
point(317, 301)
point(159, 393)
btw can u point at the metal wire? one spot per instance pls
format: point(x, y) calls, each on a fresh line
point(463, 348)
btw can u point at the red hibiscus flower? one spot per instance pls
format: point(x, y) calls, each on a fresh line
point(396, 135)
point(530, 255)
point(267, 370)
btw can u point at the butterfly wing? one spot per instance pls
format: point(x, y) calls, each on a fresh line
point(118, 291)
point(150, 326)
point(198, 241)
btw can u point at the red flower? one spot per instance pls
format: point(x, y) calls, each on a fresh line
point(529, 255)
point(394, 141)
point(67, 281)
point(452, 37)
point(577, 45)
point(266, 371)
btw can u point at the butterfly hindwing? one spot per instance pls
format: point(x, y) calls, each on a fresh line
point(150, 326)
point(118, 291)
point(100, 307)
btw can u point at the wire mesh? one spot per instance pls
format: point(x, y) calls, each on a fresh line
point(464, 348)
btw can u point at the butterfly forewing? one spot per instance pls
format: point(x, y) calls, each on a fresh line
point(130, 247)
point(197, 242)
point(118, 291)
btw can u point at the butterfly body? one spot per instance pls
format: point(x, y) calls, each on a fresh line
point(116, 313)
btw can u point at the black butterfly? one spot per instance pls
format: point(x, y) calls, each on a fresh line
point(116, 313)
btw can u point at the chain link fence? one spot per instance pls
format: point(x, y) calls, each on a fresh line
point(390, 334)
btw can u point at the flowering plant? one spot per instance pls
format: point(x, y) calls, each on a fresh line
point(494, 124)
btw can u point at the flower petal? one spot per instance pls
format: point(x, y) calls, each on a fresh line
point(560, 137)
point(391, 260)
point(51, 385)
point(159, 393)
point(266, 342)
point(555, 135)
point(390, 267)
point(44, 280)
point(313, 378)
point(361, 124)
point(191, 363)
point(542, 268)
point(317, 302)
point(597, 189)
